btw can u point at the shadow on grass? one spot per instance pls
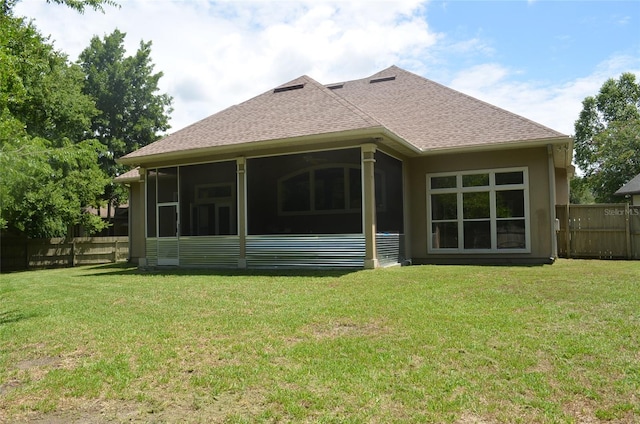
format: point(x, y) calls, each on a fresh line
point(9, 317)
point(129, 269)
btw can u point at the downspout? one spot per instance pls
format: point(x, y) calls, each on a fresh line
point(552, 204)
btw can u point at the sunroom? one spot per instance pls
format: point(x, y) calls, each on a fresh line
point(326, 208)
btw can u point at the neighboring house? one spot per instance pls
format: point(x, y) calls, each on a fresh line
point(383, 170)
point(631, 189)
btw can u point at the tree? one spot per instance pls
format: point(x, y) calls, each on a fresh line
point(131, 112)
point(48, 161)
point(81, 5)
point(6, 6)
point(607, 138)
point(580, 193)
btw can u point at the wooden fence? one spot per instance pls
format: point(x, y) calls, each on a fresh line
point(20, 253)
point(604, 231)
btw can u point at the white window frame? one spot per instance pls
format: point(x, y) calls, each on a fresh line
point(492, 188)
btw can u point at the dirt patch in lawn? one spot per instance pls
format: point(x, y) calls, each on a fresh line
point(332, 330)
point(185, 409)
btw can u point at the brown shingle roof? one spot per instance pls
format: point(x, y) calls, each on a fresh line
point(432, 116)
point(424, 114)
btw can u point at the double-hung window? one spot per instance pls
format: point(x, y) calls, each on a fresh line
point(479, 211)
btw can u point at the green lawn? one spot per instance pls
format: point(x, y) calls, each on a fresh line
point(456, 344)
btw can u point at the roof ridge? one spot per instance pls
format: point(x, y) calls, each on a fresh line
point(346, 103)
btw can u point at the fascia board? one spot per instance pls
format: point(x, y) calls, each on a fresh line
point(244, 148)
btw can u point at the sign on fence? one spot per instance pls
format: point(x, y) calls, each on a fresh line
point(21, 253)
point(604, 231)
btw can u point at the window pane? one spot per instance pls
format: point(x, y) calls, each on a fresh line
point(445, 235)
point(476, 205)
point(224, 220)
point(212, 192)
point(295, 193)
point(203, 220)
point(168, 224)
point(329, 189)
point(504, 178)
point(151, 203)
point(477, 235)
point(443, 182)
point(167, 185)
point(511, 234)
point(510, 203)
point(475, 180)
point(355, 188)
point(444, 206)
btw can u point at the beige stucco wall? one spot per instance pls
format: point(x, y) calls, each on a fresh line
point(536, 159)
point(562, 187)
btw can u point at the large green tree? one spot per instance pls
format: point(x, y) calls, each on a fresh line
point(607, 137)
point(48, 157)
point(132, 112)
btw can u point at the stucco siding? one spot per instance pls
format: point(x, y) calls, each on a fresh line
point(536, 162)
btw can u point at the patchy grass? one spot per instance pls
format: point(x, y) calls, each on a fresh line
point(547, 344)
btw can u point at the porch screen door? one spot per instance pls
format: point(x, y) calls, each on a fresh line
point(168, 219)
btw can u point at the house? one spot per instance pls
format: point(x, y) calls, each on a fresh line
point(388, 169)
point(632, 189)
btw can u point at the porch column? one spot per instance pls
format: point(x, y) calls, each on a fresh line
point(242, 211)
point(369, 204)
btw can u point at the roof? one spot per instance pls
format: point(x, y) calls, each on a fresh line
point(422, 114)
point(129, 176)
point(632, 187)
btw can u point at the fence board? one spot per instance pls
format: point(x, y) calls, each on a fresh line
point(18, 253)
point(604, 231)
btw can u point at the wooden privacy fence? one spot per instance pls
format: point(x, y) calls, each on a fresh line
point(604, 231)
point(20, 253)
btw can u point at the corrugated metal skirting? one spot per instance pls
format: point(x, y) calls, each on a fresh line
point(389, 247)
point(278, 251)
point(306, 251)
point(214, 251)
point(152, 251)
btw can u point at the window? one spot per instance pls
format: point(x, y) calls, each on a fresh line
point(208, 199)
point(332, 189)
point(480, 211)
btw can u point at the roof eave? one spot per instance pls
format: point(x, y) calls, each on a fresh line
point(562, 152)
point(242, 149)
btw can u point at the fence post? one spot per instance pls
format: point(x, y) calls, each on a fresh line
point(115, 252)
point(627, 223)
point(73, 252)
point(568, 233)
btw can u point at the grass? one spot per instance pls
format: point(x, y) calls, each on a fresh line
point(451, 344)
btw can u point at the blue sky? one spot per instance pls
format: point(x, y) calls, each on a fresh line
point(538, 58)
point(544, 40)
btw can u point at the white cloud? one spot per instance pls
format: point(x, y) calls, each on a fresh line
point(556, 105)
point(215, 54)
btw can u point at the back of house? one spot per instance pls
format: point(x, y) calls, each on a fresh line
point(384, 170)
